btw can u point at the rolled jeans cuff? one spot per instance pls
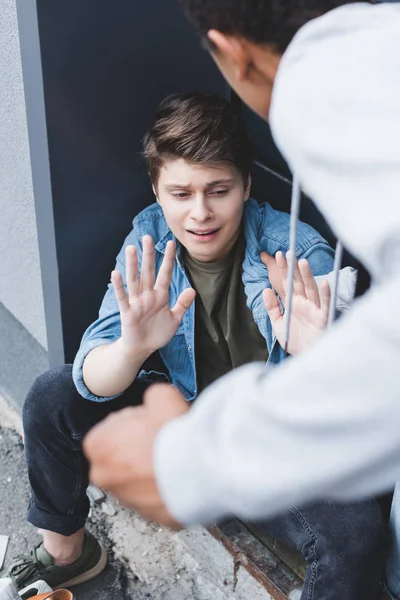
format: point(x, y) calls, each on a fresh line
point(63, 525)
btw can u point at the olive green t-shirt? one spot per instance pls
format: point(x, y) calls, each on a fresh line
point(226, 335)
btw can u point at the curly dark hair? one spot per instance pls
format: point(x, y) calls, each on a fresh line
point(200, 128)
point(262, 21)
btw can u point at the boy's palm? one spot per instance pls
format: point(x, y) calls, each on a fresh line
point(310, 307)
point(147, 321)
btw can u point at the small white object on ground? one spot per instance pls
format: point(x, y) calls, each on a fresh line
point(3, 548)
point(8, 591)
point(39, 587)
point(95, 494)
point(109, 507)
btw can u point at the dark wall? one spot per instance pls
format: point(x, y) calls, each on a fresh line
point(106, 66)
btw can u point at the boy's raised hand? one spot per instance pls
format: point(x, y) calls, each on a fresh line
point(147, 321)
point(310, 306)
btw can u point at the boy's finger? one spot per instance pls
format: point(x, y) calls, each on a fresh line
point(298, 284)
point(272, 305)
point(325, 297)
point(274, 274)
point(283, 270)
point(132, 271)
point(147, 274)
point(164, 276)
point(119, 291)
point(183, 303)
point(310, 285)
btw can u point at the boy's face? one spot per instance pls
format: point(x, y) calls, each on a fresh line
point(203, 206)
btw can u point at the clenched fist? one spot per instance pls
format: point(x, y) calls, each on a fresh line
point(120, 451)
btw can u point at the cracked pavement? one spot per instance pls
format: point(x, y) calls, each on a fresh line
point(115, 583)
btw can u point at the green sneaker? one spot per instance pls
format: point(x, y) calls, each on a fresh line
point(26, 569)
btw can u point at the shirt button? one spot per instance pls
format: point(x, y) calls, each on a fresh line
point(189, 347)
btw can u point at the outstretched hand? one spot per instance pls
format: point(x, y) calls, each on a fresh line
point(310, 306)
point(147, 321)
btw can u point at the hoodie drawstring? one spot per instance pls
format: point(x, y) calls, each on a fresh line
point(334, 291)
point(294, 217)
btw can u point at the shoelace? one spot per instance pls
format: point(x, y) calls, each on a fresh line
point(25, 566)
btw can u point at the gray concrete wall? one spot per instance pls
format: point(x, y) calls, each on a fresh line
point(20, 276)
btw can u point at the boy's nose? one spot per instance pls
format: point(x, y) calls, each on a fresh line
point(201, 211)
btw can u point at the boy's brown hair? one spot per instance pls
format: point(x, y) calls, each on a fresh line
point(203, 129)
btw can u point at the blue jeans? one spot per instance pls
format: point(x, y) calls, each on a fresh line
point(344, 545)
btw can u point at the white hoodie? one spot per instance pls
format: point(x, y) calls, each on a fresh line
point(325, 424)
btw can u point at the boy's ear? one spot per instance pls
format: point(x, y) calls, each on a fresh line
point(247, 189)
point(233, 49)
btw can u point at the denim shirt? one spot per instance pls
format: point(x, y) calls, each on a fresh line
point(264, 229)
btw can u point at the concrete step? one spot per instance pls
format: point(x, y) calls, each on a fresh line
point(149, 561)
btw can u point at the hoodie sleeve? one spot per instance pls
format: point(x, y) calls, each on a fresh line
point(324, 424)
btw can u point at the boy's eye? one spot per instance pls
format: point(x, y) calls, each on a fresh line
point(180, 195)
point(219, 192)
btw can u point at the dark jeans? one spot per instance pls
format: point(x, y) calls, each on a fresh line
point(344, 545)
point(56, 418)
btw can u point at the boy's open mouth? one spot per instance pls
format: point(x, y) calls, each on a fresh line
point(204, 234)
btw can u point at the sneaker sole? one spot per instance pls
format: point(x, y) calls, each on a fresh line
point(90, 574)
